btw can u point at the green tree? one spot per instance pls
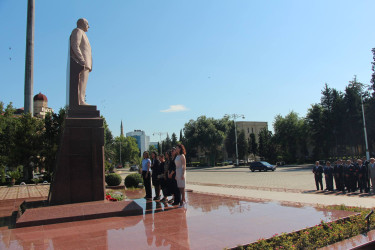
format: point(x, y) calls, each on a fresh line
point(242, 145)
point(8, 125)
point(316, 133)
point(159, 149)
point(52, 133)
point(174, 139)
point(230, 141)
point(353, 124)
point(253, 145)
point(27, 145)
point(289, 136)
point(109, 147)
point(205, 135)
point(129, 149)
point(167, 143)
point(181, 136)
point(267, 147)
point(152, 148)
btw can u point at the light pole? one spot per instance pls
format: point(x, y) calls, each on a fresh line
point(364, 121)
point(365, 130)
point(160, 134)
point(363, 115)
point(235, 116)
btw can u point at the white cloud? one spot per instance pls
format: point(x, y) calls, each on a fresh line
point(175, 108)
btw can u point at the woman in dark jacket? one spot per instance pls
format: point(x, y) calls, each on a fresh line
point(163, 176)
point(155, 167)
point(172, 183)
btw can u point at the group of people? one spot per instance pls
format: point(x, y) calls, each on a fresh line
point(348, 176)
point(168, 175)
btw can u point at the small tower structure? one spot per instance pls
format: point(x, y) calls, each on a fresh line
point(41, 106)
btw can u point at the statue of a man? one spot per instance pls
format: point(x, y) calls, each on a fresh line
point(80, 64)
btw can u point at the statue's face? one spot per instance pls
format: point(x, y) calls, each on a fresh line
point(83, 24)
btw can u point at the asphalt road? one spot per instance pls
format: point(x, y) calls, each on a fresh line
point(286, 177)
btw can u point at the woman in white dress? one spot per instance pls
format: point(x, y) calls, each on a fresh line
point(181, 171)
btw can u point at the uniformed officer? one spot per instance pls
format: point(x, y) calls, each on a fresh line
point(336, 175)
point(341, 174)
point(352, 176)
point(318, 174)
point(328, 175)
point(363, 177)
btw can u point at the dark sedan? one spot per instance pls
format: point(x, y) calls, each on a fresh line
point(261, 165)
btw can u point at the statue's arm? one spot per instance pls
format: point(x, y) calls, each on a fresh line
point(75, 42)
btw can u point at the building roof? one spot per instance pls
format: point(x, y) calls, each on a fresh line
point(40, 97)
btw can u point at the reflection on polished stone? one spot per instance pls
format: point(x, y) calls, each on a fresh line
point(205, 222)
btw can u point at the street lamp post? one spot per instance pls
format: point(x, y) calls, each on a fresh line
point(160, 134)
point(235, 116)
point(363, 117)
point(364, 129)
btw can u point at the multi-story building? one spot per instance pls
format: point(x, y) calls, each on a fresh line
point(251, 127)
point(40, 107)
point(143, 140)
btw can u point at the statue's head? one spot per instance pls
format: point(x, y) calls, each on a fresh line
point(83, 24)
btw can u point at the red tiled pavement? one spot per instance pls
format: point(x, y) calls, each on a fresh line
point(206, 222)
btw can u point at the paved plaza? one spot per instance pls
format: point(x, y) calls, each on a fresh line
point(220, 200)
point(287, 184)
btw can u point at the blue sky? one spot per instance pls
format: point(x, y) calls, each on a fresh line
point(256, 58)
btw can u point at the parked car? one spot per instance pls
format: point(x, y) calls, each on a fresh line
point(133, 168)
point(261, 165)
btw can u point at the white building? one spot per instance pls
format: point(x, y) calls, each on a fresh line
point(143, 140)
point(251, 127)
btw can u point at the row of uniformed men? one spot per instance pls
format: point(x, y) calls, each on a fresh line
point(349, 176)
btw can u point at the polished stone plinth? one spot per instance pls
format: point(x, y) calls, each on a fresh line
point(77, 212)
point(206, 222)
point(79, 173)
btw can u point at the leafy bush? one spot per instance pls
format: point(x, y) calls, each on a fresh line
point(47, 176)
point(133, 180)
point(2, 173)
point(36, 180)
point(16, 175)
point(113, 179)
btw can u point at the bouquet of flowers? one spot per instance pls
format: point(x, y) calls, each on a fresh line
point(118, 196)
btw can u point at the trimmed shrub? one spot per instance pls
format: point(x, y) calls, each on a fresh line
point(133, 180)
point(113, 179)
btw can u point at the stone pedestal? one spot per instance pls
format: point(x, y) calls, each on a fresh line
point(79, 172)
